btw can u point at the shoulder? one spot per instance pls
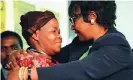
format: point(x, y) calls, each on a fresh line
point(112, 39)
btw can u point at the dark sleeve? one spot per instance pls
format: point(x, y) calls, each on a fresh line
point(2, 75)
point(104, 62)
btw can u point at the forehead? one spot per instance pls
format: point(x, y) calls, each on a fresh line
point(10, 40)
point(51, 24)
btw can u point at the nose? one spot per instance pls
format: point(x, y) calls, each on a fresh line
point(59, 37)
point(72, 27)
point(9, 50)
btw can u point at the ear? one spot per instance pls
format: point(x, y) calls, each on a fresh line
point(36, 35)
point(92, 17)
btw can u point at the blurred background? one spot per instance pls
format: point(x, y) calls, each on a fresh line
point(11, 10)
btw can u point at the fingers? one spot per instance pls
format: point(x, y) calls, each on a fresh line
point(13, 74)
point(8, 67)
point(11, 65)
point(14, 57)
point(24, 52)
point(19, 53)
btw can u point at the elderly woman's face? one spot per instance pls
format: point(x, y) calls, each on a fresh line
point(49, 37)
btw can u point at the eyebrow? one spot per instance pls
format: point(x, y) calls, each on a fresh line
point(10, 45)
point(55, 27)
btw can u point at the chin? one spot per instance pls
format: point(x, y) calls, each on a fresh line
point(57, 50)
point(81, 39)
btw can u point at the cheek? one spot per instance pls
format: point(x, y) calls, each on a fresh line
point(47, 39)
point(82, 33)
point(51, 38)
point(79, 26)
point(3, 55)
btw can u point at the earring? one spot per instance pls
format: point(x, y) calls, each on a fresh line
point(92, 21)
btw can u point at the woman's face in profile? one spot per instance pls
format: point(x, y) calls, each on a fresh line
point(49, 37)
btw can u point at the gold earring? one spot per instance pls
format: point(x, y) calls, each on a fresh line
point(92, 21)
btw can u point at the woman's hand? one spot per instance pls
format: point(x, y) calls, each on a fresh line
point(14, 57)
point(13, 74)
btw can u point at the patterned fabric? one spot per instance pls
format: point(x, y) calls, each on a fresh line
point(35, 58)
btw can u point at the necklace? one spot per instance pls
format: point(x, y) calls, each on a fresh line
point(41, 52)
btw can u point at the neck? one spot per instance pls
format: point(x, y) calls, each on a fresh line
point(37, 46)
point(99, 31)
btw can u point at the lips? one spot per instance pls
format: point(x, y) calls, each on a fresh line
point(58, 43)
point(59, 40)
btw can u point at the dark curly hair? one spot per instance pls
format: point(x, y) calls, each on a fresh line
point(105, 11)
point(34, 20)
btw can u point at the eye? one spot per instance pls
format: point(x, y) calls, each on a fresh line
point(59, 31)
point(3, 49)
point(14, 47)
point(53, 30)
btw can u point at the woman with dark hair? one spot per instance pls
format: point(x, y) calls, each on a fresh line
point(41, 31)
point(109, 57)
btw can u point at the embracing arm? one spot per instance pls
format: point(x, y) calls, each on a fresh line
point(101, 63)
point(98, 64)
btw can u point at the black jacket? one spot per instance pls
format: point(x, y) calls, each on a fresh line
point(110, 58)
point(2, 75)
point(68, 52)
